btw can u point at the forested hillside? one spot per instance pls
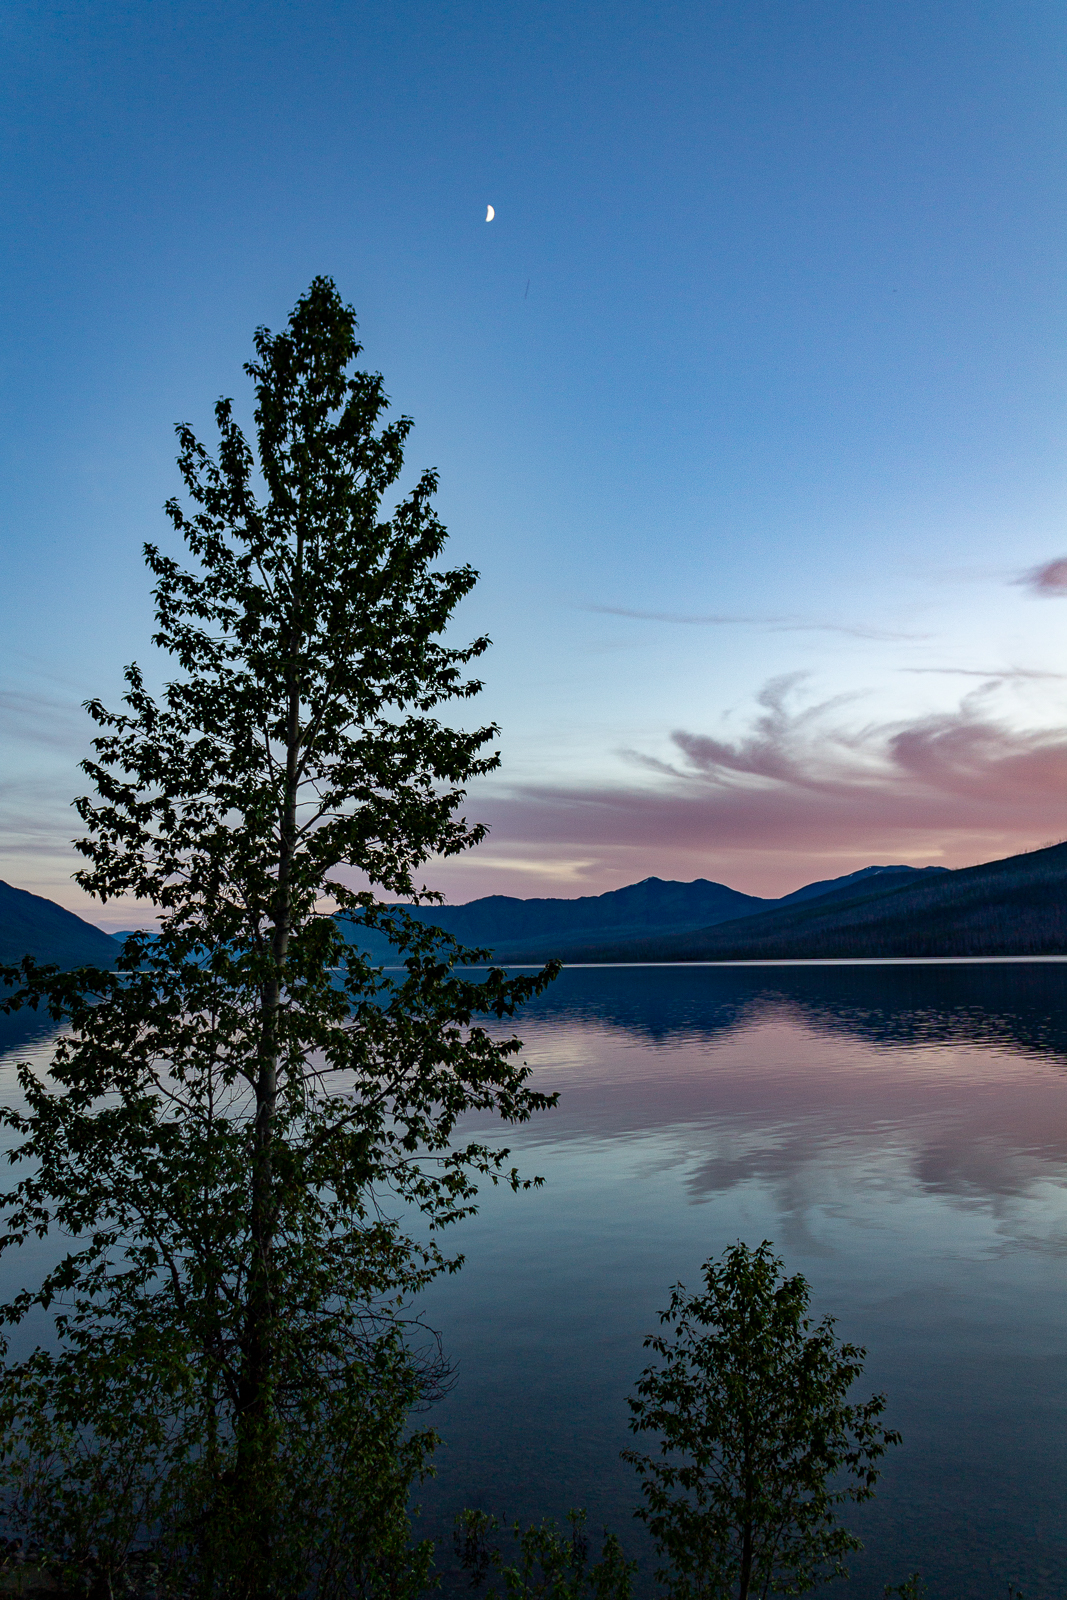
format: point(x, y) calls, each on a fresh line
point(30, 925)
point(1017, 906)
point(543, 929)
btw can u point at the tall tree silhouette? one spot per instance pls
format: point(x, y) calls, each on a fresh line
point(239, 1120)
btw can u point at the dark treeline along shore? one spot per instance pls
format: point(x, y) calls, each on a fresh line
point(1018, 1007)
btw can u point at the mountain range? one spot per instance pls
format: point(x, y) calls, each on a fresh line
point(525, 931)
point(30, 925)
point(1017, 906)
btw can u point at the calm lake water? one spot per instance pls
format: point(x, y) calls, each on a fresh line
point(899, 1132)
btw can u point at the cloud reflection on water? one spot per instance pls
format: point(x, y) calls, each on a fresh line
point(854, 1091)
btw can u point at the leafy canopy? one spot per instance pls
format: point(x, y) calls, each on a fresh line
point(758, 1446)
point(547, 1565)
point(249, 1136)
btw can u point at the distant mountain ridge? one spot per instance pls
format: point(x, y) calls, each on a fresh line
point(1016, 906)
point(544, 929)
point(825, 886)
point(30, 925)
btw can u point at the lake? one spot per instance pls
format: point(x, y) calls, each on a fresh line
point(898, 1131)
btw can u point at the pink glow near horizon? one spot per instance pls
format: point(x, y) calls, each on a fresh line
point(793, 801)
point(797, 798)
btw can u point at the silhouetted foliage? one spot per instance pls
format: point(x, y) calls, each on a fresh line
point(547, 1562)
point(757, 1443)
point(237, 1119)
point(913, 1588)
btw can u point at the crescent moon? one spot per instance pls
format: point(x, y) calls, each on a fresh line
point(489, 213)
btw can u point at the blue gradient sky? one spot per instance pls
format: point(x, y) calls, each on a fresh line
point(758, 469)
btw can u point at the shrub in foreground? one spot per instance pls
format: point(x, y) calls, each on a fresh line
point(757, 1446)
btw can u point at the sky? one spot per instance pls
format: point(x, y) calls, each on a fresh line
point(748, 404)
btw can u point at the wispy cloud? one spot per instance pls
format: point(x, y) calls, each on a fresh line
point(1049, 579)
point(39, 719)
point(992, 675)
point(786, 624)
point(802, 790)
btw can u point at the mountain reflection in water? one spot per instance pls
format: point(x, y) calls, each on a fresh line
point(972, 1128)
point(1014, 1004)
point(899, 1132)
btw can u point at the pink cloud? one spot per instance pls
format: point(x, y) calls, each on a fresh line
point(796, 798)
point(1049, 579)
point(800, 794)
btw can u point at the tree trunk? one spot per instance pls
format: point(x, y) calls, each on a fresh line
point(747, 1539)
point(256, 1445)
point(745, 1580)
